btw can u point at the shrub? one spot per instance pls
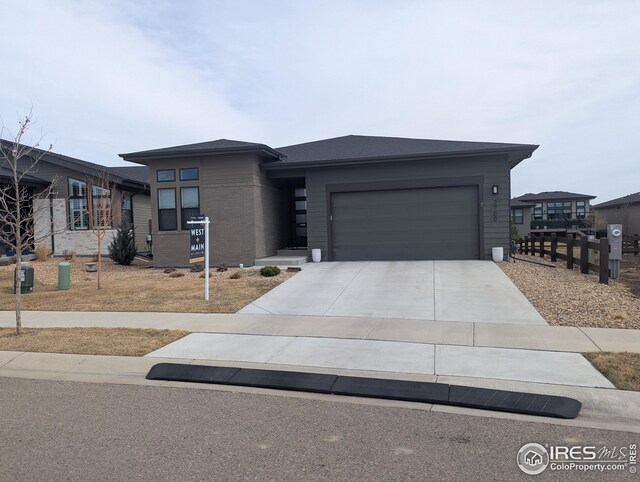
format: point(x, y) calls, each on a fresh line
point(270, 271)
point(236, 275)
point(69, 255)
point(176, 274)
point(42, 251)
point(122, 248)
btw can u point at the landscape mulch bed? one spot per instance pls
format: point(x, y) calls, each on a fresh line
point(138, 288)
point(570, 298)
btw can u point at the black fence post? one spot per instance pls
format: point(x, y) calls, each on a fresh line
point(554, 247)
point(542, 246)
point(584, 254)
point(604, 261)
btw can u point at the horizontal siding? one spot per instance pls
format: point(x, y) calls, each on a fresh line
point(494, 170)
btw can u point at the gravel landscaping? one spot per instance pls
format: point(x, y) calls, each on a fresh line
point(570, 298)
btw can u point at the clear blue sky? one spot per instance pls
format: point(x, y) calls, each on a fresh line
point(119, 76)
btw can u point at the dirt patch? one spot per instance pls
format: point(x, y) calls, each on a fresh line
point(137, 288)
point(630, 273)
point(622, 369)
point(570, 298)
point(88, 341)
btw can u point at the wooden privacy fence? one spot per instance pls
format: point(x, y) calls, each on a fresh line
point(631, 244)
point(538, 245)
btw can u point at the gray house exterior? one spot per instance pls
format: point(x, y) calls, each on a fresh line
point(61, 221)
point(353, 197)
point(624, 210)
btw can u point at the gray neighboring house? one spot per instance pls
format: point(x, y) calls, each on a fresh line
point(557, 209)
point(352, 197)
point(64, 222)
point(624, 210)
point(521, 216)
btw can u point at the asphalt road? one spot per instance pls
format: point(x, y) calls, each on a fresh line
point(54, 430)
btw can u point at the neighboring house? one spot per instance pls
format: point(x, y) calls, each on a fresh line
point(557, 209)
point(353, 197)
point(521, 216)
point(64, 222)
point(623, 210)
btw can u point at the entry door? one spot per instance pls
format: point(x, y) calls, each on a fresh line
point(299, 217)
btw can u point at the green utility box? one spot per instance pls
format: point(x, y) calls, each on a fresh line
point(26, 278)
point(64, 275)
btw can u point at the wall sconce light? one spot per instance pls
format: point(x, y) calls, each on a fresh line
point(494, 189)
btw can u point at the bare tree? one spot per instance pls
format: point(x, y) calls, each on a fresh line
point(100, 207)
point(19, 203)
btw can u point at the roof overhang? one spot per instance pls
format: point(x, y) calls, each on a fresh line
point(145, 156)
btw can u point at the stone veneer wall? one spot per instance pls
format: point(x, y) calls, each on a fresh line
point(82, 242)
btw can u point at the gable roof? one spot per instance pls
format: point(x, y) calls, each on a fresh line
point(27, 178)
point(219, 147)
point(621, 201)
point(357, 148)
point(128, 175)
point(552, 195)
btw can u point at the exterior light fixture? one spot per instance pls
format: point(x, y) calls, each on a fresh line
point(494, 189)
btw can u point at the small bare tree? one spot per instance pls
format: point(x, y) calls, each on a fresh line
point(100, 207)
point(19, 203)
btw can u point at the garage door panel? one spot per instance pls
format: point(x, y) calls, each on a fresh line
point(433, 223)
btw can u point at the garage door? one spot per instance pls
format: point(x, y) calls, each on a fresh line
point(405, 224)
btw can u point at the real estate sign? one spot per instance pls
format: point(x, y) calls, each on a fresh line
point(197, 239)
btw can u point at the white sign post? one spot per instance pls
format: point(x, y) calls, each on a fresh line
point(202, 220)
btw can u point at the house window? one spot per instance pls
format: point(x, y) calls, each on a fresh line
point(189, 204)
point(537, 211)
point(581, 209)
point(166, 175)
point(127, 212)
point(167, 214)
point(101, 202)
point(518, 217)
point(78, 214)
point(189, 174)
point(559, 210)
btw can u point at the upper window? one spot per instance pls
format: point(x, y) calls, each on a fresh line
point(166, 175)
point(537, 211)
point(78, 214)
point(190, 204)
point(518, 217)
point(167, 214)
point(581, 209)
point(189, 174)
point(558, 209)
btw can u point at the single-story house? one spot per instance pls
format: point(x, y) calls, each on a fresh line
point(556, 209)
point(352, 197)
point(624, 210)
point(62, 221)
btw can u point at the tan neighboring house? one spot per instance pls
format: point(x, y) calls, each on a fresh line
point(63, 220)
point(624, 210)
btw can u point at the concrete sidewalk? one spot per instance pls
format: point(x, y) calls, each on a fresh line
point(530, 337)
point(602, 408)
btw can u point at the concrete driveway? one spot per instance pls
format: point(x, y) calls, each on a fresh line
point(468, 291)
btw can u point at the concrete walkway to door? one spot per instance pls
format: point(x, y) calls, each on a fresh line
point(469, 291)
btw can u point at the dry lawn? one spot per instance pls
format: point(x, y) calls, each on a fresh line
point(622, 369)
point(137, 288)
point(570, 298)
point(88, 341)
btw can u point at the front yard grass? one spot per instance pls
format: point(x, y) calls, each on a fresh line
point(88, 341)
point(134, 288)
point(621, 368)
